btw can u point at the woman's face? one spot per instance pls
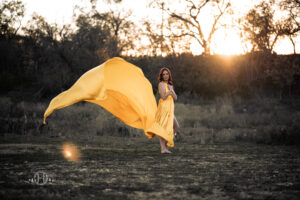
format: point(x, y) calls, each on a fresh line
point(165, 75)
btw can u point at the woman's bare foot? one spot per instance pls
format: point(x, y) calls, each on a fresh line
point(165, 151)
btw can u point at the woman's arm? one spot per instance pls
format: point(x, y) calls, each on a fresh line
point(173, 93)
point(161, 89)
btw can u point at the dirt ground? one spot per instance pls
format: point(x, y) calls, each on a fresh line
point(133, 168)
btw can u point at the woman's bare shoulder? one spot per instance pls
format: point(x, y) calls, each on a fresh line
point(161, 84)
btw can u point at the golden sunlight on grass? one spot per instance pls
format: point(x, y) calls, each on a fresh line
point(71, 152)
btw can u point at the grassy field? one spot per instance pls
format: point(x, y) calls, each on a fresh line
point(133, 168)
point(228, 149)
point(259, 120)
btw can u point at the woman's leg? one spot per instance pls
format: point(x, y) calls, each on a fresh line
point(163, 142)
point(175, 128)
point(163, 145)
point(175, 125)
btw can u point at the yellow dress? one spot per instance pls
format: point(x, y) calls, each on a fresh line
point(163, 124)
point(119, 87)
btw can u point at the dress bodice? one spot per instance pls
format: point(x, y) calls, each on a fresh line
point(166, 87)
point(167, 90)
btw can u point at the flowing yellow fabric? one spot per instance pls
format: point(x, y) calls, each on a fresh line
point(122, 89)
point(164, 117)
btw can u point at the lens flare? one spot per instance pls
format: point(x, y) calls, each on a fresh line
point(71, 152)
point(68, 154)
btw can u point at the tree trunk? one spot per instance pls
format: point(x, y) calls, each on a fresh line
point(294, 45)
point(206, 49)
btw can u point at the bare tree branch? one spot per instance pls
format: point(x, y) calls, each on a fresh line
point(191, 20)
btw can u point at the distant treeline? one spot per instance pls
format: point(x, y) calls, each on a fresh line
point(41, 71)
point(47, 59)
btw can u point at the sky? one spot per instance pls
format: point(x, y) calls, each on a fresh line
point(226, 41)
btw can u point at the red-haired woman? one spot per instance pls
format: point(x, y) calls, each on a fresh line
point(165, 125)
point(166, 104)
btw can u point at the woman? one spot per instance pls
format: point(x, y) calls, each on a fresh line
point(165, 112)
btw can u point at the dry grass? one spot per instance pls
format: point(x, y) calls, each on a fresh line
point(223, 120)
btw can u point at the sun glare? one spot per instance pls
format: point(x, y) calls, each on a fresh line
point(226, 42)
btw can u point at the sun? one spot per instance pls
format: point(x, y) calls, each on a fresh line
point(225, 42)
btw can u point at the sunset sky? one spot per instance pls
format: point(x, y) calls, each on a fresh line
point(226, 41)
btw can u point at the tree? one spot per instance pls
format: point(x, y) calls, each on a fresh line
point(89, 41)
point(39, 28)
point(156, 41)
point(47, 54)
point(282, 71)
point(121, 31)
point(291, 24)
point(260, 29)
point(166, 43)
point(94, 2)
point(190, 20)
point(11, 15)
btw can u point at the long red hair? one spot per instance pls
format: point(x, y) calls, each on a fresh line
point(160, 77)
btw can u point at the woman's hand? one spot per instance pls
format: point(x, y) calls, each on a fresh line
point(164, 95)
point(171, 90)
point(170, 87)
